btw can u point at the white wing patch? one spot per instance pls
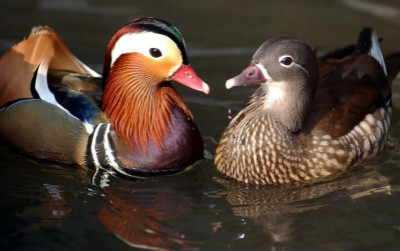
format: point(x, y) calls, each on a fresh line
point(375, 51)
point(42, 89)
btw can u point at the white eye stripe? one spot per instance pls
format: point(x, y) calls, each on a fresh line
point(139, 42)
point(302, 68)
point(293, 63)
point(264, 71)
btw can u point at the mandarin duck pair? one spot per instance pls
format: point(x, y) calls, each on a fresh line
point(311, 117)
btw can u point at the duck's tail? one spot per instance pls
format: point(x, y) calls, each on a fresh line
point(368, 43)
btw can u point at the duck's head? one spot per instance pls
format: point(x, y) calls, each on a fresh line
point(277, 60)
point(287, 70)
point(138, 98)
point(152, 49)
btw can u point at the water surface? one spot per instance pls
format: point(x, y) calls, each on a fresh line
point(49, 207)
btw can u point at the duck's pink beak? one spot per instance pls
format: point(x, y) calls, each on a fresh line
point(185, 75)
point(252, 75)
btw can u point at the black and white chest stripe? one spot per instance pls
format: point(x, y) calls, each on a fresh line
point(101, 154)
point(100, 151)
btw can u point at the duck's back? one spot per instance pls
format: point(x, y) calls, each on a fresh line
point(347, 92)
point(349, 117)
point(18, 66)
point(33, 118)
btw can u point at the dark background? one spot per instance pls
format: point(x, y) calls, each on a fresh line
point(48, 207)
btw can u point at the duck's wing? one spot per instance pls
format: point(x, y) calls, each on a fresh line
point(80, 94)
point(349, 88)
point(18, 65)
point(42, 67)
point(42, 120)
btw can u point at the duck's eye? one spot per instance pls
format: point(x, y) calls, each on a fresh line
point(286, 60)
point(154, 52)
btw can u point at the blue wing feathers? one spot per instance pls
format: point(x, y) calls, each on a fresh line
point(78, 104)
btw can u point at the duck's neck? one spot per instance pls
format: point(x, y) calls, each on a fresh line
point(139, 108)
point(285, 104)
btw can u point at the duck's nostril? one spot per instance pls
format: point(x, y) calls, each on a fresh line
point(188, 75)
point(250, 74)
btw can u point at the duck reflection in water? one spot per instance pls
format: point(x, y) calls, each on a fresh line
point(139, 213)
point(49, 205)
point(271, 206)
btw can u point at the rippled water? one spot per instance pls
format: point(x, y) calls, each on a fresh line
point(47, 207)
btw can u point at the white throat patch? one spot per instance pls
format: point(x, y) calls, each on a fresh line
point(275, 89)
point(275, 93)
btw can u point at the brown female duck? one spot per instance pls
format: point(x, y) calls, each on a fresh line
point(309, 118)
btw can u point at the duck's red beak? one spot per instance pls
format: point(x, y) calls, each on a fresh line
point(185, 75)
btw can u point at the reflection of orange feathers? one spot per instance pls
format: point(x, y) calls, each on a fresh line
point(141, 214)
point(18, 65)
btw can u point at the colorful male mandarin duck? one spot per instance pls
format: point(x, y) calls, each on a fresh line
point(139, 126)
point(310, 117)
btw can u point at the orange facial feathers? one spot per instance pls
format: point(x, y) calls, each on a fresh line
point(137, 104)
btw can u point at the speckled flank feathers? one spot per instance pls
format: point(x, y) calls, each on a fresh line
point(280, 157)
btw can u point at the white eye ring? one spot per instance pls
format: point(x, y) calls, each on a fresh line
point(286, 60)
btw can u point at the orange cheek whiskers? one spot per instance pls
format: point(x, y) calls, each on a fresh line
point(137, 107)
